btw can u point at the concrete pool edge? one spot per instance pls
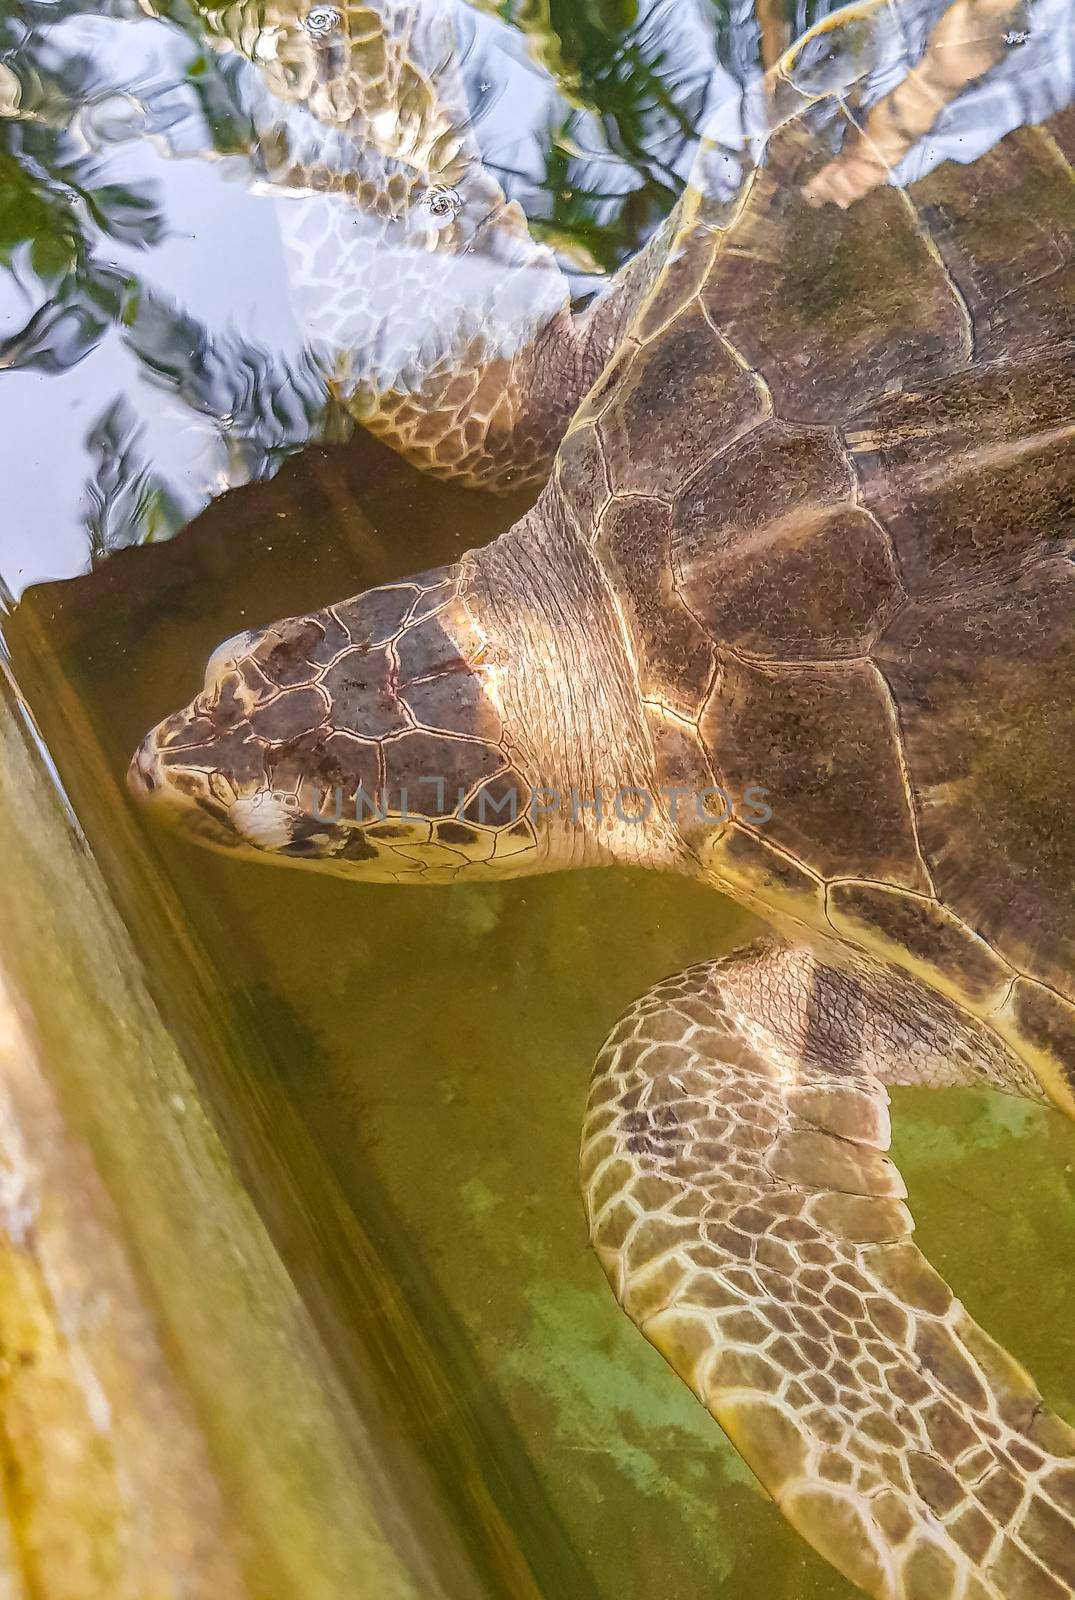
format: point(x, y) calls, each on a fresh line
point(167, 1421)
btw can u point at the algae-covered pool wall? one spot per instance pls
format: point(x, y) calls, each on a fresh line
point(169, 1422)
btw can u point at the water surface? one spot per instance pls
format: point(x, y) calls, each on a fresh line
point(432, 1047)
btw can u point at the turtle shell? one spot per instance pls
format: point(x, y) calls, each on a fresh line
point(830, 474)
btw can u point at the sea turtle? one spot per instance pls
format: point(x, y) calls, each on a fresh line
point(795, 615)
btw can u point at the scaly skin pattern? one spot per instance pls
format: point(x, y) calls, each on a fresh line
point(812, 528)
point(743, 1207)
point(357, 734)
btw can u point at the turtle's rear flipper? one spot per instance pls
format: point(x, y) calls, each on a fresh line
point(750, 1223)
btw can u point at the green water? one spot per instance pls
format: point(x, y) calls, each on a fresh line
point(435, 1045)
point(414, 1063)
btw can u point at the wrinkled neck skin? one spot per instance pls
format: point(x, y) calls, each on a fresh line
point(568, 691)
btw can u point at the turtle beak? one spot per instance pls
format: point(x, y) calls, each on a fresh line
point(151, 788)
point(143, 774)
point(156, 792)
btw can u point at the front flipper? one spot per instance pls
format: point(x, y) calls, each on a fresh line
point(443, 326)
point(750, 1223)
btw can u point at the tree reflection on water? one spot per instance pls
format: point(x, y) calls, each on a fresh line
point(195, 238)
point(586, 114)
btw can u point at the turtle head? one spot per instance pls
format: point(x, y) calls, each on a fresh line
point(366, 740)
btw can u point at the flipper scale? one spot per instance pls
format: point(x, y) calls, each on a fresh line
point(751, 1223)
